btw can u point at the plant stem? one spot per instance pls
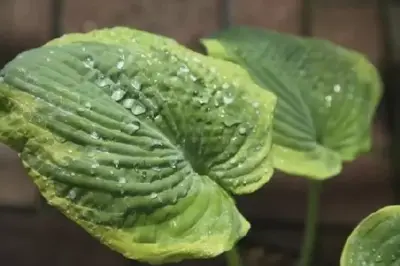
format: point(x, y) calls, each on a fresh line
point(233, 257)
point(311, 223)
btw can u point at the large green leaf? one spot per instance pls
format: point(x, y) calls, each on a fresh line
point(375, 241)
point(139, 140)
point(327, 96)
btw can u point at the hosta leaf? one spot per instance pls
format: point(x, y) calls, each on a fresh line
point(326, 96)
point(375, 241)
point(140, 142)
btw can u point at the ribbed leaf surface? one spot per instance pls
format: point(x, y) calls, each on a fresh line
point(139, 140)
point(327, 96)
point(375, 241)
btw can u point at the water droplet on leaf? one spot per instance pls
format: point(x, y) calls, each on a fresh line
point(230, 121)
point(128, 103)
point(174, 223)
point(138, 109)
point(182, 70)
point(94, 135)
point(118, 95)
point(136, 84)
point(88, 62)
point(242, 130)
point(116, 163)
point(132, 128)
point(71, 194)
point(228, 99)
point(328, 100)
point(120, 64)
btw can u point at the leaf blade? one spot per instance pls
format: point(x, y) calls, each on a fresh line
point(327, 96)
point(375, 240)
point(106, 140)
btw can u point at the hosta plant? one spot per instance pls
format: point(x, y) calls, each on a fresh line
point(143, 142)
point(327, 96)
point(375, 241)
point(139, 140)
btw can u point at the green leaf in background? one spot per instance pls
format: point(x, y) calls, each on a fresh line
point(375, 241)
point(139, 140)
point(327, 96)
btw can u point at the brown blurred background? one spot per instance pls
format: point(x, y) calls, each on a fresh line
point(34, 234)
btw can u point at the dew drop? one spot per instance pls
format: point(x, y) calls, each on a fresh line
point(116, 163)
point(193, 78)
point(71, 194)
point(132, 128)
point(242, 130)
point(102, 82)
point(153, 195)
point(120, 64)
point(128, 103)
point(136, 84)
point(156, 168)
point(182, 70)
point(118, 95)
point(88, 62)
point(156, 144)
point(337, 88)
point(88, 105)
point(22, 69)
point(158, 119)
point(174, 199)
point(174, 223)
point(328, 100)
point(228, 99)
point(202, 99)
point(230, 121)
point(378, 258)
point(173, 164)
point(138, 109)
point(219, 174)
point(122, 180)
point(94, 135)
